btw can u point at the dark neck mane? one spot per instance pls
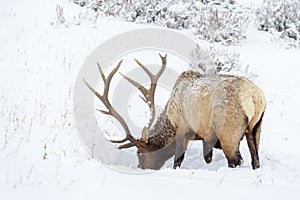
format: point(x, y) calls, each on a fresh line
point(163, 132)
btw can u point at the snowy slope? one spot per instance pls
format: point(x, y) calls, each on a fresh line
point(42, 155)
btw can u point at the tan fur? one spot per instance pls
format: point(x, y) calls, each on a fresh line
point(208, 108)
point(216, 107)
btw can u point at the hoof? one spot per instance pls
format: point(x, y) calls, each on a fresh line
point(255, 165)
point(208, 159)
point(176, 166)
point(234, 163)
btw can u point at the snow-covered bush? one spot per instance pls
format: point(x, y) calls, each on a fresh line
point(218, 60)
point(281, 18)
point(213, 20)
point(223, 23)
point(80, 2)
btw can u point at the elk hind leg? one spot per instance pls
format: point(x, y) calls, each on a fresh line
point(232, 154)
point(230, 142)
point(253, 137)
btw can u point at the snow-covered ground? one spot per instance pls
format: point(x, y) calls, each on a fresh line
point(41, 153)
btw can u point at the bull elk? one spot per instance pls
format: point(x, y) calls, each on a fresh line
point(218, 109)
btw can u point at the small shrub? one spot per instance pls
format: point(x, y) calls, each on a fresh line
point(282, 18)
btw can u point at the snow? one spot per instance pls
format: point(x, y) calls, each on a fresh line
point(39, 61)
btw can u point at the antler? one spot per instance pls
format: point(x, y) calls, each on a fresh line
point(148, 94)
point(111, 111)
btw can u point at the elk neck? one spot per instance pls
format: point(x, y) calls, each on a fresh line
point(163, 132)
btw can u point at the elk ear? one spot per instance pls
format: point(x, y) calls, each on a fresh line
point(145, 135)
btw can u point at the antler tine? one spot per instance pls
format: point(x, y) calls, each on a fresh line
point(137, 85)
point(101, 72)
point(110, 110)
point(148, 94)
point(155, 77)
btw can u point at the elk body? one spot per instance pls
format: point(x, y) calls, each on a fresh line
point(218, 109)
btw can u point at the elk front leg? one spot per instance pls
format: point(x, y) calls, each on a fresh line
point(181, 146)
point(208, 148)
point(179, 151)
point(207, 152)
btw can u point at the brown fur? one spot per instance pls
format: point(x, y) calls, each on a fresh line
point(213, 108)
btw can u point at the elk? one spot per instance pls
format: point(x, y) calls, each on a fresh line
point(218, 109)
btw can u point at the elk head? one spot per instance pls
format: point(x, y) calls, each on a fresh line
point(148, 152)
